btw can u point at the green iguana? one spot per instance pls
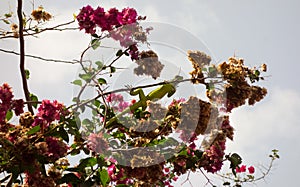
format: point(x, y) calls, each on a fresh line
point(169, 88)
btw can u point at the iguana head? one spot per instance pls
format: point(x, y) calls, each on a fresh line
point(177, 80)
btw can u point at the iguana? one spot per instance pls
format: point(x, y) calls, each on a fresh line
point(169, 88)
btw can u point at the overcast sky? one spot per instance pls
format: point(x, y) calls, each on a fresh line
point(260, 31)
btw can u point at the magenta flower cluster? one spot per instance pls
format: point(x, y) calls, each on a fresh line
point(118, 101)
point(214, 156)
point(242, 169)
point(7, 102)
point(56, 148)
point(48, 112)
point(89, 18)
point(117, 174)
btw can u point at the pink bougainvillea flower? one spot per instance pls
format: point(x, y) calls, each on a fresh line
point(134, 52)
point(99, 19)
point(111, 171)
point(214, 156)
point(114, 98)
point(18, 106)
point(127, 16)
point(7, 102)
point(241, 169)
point(85, 19)
point(48, 112)
point(123, 105)
point(56, 148)
point(251, 169)
point(112, 17)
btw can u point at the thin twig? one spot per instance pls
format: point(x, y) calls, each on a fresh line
point(208, 180)
point(40, 58)
point(187, 179)
point(22, 56)
point(55, 28)
point(263, 176)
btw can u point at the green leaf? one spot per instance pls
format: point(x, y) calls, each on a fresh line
point(211, 69)
point(102, 81)
point(112, 69)
point(257, 73)
point(97, 103)
point(27, 73)
point(101, 161)
point(199, 153)
point(77, 82)
point(8, 15)
point(9, 115)
point(226, 184)
point(75, 99)
point(6, 21)
point(95, 112)
point(34, 98)
point(121, 185)
point(75, 152)
point(86, 122)
point(87, 162)
point(183, 152)
point(104, 177)
point(119, 52)
point(235, 160)
point(99, 64)
point(86, 77)
point(63, 134)
point(34, 130)
point(210, 86)
point(69, 177)
point(95, 36)
point(95, 43)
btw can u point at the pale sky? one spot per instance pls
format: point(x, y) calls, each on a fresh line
point(260, 31)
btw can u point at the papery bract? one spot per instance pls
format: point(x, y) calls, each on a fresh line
point(56, 148)
point(85, 19)
point(128, 16)
point(241, 169)
point(251, 169)
point(48, 112)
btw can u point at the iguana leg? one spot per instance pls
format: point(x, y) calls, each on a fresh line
point(142, 99)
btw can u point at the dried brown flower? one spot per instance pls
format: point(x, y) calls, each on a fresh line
point(148, 64)
point(40, 14)
point(26, 119)
point(198, 58)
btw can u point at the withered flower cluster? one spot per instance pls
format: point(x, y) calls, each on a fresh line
point(192, 118)
point(40, 14)
point(199, 59)
point(238, 86)
point(15, 30)
point(148, 64)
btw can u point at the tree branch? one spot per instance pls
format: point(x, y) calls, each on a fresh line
point(40, 58)
point(22, 55)
point(34, 32)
